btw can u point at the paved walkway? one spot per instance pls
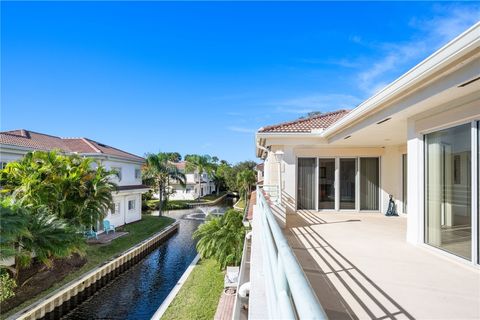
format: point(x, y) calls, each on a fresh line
point(361, 267)
point(225, 306)
point(107, 238)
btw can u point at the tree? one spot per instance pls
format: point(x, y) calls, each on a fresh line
point(222, 238)
point(200, 164)
point(69, 186)
point(28, 232)
point(174, 156)
point(157, 172)
point(245, 180)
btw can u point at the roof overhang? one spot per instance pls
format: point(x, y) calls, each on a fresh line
point(461, 48)
point(402, 98)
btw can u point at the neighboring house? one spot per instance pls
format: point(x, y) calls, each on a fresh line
point(128, 199)
point(418, 140)
point(192, 189)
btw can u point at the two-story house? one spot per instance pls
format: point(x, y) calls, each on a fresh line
point(192, 189)
point(128, 197)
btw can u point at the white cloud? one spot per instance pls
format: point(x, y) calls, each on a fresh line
point(317, 102)
point(448, 23)
point(241, 129)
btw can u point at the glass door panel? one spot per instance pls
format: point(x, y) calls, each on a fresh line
point(404, 182)
point(348, 169)
point(369, 183)
point(448, 222)
point(306, 183)
point(326, 184)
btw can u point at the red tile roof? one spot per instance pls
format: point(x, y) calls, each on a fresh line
point(180, 165)
point(39, 141)
point(321, 121)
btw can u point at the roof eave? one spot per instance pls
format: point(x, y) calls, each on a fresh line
point(461, 45)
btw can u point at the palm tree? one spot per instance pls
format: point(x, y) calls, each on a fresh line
point(157, 172)
point(71, 187)
point(28, 232)
point(245, 180)
point(222, 238)
point(200, 164)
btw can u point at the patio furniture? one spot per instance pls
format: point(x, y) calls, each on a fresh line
point(231, 278)
point(90, 234)
point(107, 227)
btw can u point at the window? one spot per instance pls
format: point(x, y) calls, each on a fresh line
point(138, 174)
point(118, 170)
point(369, 183)
point(306, 183)
point(348, 170)
point(326, 184)
point(448, 215)
point(131, 205)
point(404, 182)
point(3, 165)
point(117, 208)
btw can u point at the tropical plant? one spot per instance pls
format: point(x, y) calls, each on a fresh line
point(200, 164)
point(7, 286)
point(28, 232)
point(222, 238)
point(245, 180)
point(158, 171)
point(74, 188)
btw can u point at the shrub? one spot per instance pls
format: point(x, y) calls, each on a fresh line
point(222, 238)
point(7, 285)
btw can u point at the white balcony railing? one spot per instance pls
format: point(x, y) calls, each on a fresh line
point(272, 192)
point(289, 294)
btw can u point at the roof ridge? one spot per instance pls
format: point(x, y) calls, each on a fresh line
point(107, 146)
point(91, 145)
point(9, 132)
point(302, 120)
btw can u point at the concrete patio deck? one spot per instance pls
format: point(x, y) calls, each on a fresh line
point(361, 267)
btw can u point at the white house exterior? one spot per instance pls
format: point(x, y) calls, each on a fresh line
point(128, 197)
point(192, 189)
point(418, 140)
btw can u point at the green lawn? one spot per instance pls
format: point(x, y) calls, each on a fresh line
point(96, 254)
point(199, 296)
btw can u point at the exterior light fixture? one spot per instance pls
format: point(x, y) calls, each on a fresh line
point(279, 155)
point(347, 137)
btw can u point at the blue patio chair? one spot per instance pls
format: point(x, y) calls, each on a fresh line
point(107, 227)
point(90, 234)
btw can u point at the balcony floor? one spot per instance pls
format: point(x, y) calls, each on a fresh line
point(361, 267)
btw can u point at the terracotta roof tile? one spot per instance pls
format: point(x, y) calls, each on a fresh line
point(40, 141)
point(321, 121)
point(180, 165)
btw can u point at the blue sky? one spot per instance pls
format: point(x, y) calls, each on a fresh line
point(202, 77)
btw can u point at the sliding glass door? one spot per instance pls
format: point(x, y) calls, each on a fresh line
point(448, 218)
point(326, 184)
point(306, 183)
point(348, 170)
point(404, 183)
point(369, 183)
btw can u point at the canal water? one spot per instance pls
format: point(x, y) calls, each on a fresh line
point(138, 292)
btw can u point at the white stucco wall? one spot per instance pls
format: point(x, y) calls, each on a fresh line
point(128, 172)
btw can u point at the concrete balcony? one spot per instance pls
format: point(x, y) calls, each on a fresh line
point(361, 267)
